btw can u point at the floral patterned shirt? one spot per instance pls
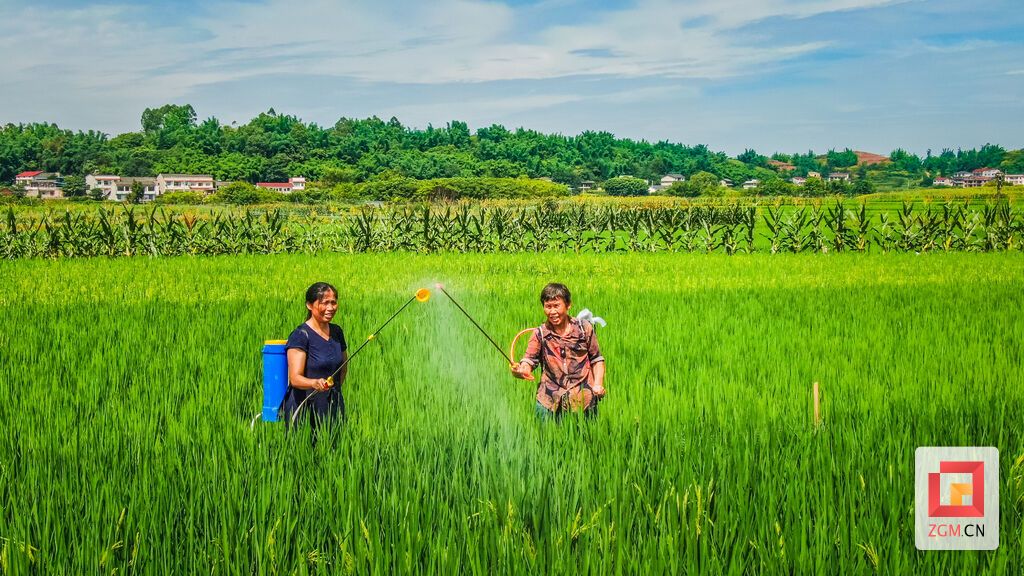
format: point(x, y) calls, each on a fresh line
point(566, 365)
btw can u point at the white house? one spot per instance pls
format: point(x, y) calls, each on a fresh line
point(292, 185)
point(942, 181)
point(123, 189)
point(725, 183)
point(813, 174)
point(839, 176)
point(25, 178)
point(105, 182)
point(670, 179)
point(184, 183)
point(973, 181)
point(961, 175)
point(37, 184)
point(1014, 179)
point(987, 172)
point(798, 180)
point(751, 184)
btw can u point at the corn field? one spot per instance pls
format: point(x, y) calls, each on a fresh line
point(729, 229)
point(129, 386)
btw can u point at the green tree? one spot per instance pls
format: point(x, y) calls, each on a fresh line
point(862, 187)
point(705, 184)
point(334, 176)
point(74, 186)
point(239, 193)
point(96, 194)
point(775, 187)
point(814, 187)
point(625, 186)
point(751, 157)
point(843, 159)
point(137, 193)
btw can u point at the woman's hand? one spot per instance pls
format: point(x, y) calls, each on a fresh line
point(321, 384)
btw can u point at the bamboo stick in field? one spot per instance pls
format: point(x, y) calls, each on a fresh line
point(817, 405)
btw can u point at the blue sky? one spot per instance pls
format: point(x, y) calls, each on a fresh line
point(781, 75)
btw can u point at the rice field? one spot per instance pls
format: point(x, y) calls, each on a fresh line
point(129, 386)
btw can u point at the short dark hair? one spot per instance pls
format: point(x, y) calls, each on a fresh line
point(555, 291)
point(315, 292)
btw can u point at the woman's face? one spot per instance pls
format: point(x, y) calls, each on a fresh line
point(323, 310)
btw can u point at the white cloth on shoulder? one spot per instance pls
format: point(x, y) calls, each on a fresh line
point(587, 315)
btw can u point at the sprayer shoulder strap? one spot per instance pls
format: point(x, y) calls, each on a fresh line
point(540, 332)
point(588, 331)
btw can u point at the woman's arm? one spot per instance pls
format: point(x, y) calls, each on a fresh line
point(297, 369)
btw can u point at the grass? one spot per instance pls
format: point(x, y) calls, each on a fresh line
point(129, 386)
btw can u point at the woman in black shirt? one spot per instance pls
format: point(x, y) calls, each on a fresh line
point(316, 349)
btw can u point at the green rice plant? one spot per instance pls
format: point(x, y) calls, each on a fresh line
point(130, 385)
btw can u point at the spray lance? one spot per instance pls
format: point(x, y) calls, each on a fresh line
point(584, 314)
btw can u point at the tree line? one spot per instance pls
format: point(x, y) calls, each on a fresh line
point(272, 147)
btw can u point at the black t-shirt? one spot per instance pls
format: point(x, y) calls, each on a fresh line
point(323, 357)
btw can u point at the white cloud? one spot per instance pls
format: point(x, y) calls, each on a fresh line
point(100, 65)
point(435, 42)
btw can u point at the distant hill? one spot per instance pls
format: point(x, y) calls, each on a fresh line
point(869, 158)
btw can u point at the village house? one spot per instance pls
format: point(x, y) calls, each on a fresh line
point(942, 181)
point(119, 188)
point(813, 174)
point(25, 178)
point(670, 179)
point(987, 172)
point(123, 189)
point(1014, 179)
point(961, 175)
point(292, 185)
point(839, 177)
point(105, 182)
point(184, 183)
point(798, 180)
point(751, 184)
point(38, 184)
point(973, 181)
point(665, 183)
point(725, 183)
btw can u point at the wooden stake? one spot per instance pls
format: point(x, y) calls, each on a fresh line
point(817, 405)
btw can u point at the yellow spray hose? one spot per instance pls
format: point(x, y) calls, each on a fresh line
point(512, 348)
